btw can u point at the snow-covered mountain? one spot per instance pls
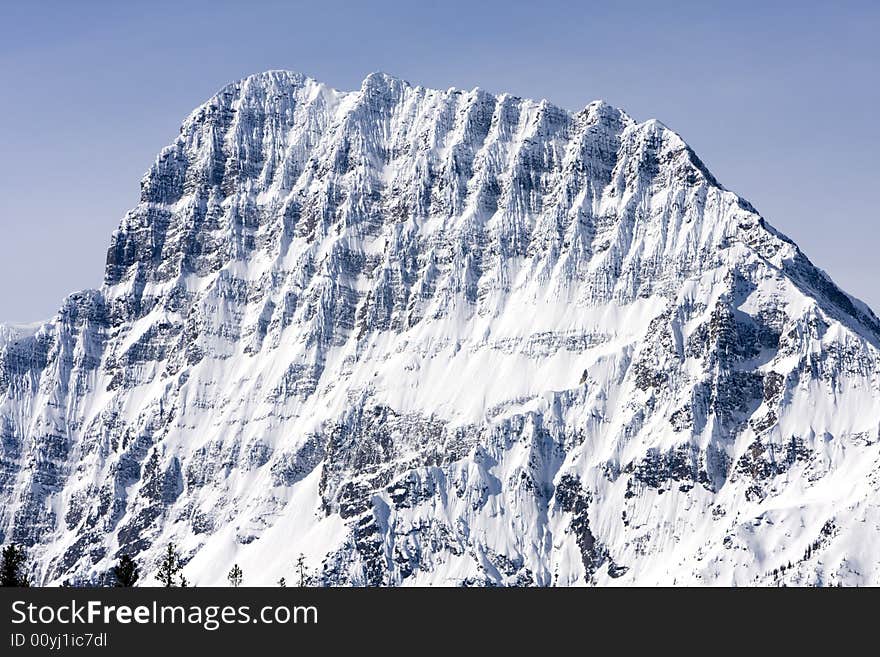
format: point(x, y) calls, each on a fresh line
point(444, 337)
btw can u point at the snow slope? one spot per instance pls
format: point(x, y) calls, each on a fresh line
point(444, 338)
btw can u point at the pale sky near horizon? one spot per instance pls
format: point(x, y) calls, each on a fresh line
point(778, 99)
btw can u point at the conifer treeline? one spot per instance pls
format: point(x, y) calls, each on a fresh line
point(126, 572)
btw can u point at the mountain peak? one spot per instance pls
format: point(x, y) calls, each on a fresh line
point(444, 338)
point(382, 79)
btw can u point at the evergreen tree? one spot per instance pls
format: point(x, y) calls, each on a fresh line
point(126, 571)
point(301, 569)
point(170, 566)
point(12, 566)
point(184, 582)
point(235, 576)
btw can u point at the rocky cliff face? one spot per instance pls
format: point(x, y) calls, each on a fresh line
point(444, 337)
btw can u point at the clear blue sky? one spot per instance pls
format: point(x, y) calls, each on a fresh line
point(779, 99)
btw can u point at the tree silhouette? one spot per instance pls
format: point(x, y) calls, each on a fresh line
point(12, 566)
point(170, 566)
point(126, 571)
point(235, 576)
point(282, 583)
point(302, 570)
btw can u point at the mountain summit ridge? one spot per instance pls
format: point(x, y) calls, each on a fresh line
point(448, 338)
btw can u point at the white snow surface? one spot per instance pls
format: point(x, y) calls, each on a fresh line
point(444, 338)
